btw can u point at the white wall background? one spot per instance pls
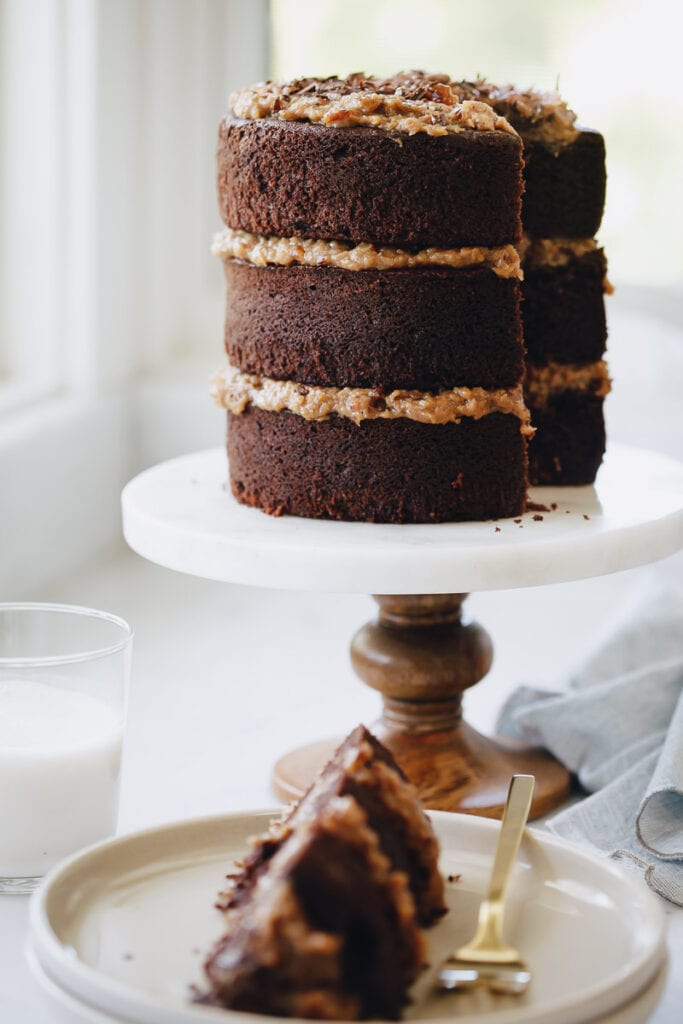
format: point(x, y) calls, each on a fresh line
point(110, 303)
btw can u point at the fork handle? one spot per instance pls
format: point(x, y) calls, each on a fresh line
point(515, 817)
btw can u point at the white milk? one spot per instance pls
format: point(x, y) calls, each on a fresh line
point(60, 760)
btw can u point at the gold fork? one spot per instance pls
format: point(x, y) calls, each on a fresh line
point(487, 958)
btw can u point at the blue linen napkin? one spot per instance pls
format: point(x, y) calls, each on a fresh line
point(618, 725)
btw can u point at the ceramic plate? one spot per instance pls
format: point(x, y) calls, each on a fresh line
point(68, 1009)
point(123, 926)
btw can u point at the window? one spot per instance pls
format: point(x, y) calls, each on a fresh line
point(32, 201)
point(108, 112)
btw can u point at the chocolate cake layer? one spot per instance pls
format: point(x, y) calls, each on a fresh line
point(365, 184)
point(564, 194)
point(426, 328)
point(569, 443)
point(394, 471)
point(564, 311)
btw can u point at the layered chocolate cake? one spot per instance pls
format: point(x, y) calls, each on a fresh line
point(373, 327)
point(322, 919)
point(566, 376)
point(564, 280)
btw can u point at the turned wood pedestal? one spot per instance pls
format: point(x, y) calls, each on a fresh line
point(421, 655)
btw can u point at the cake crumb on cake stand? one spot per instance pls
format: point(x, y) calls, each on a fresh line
point(420, 653)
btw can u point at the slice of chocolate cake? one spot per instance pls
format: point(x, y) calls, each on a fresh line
point(373, 325)
point(364, 769)
point(328, 932)
point(322, 920)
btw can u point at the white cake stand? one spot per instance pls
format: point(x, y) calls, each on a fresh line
point(420, 654)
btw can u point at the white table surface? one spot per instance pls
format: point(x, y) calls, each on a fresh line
point(227, 678)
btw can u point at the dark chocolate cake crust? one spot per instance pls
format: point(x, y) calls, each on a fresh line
point(365, 184)
point(564, 311)
point(569, 444)
point(564, 194)
point(425, 328)
point(392, 471)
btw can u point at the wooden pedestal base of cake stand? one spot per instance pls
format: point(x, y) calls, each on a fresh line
point(420, 654)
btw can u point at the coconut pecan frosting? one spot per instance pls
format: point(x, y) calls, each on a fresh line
point(235, 391)
point(412, 101)
point(402, 104)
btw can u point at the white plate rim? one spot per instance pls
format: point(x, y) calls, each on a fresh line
point(638, 1009)
point(86, 982)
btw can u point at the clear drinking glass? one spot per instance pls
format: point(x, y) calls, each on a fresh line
point(63, 683)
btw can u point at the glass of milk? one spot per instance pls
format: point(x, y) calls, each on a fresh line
point(63, 682)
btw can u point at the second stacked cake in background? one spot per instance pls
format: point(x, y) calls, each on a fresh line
point(564, 281)
point(373, 325)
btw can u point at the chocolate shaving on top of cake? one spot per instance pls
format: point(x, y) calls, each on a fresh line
point(542, 382)
point(412, 101)
point(263, 250)
point(235, 391)
point(408, 103)
point(537, 115)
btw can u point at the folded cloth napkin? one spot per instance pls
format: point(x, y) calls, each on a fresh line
point(618, 725)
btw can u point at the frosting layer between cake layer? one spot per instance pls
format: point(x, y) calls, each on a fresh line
point(235, 391)
point(542, 382)
point(265, 250)
point(554, 252)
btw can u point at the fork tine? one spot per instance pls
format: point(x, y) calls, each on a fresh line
point(451, 978)
point(511, 984)
point(505, 980)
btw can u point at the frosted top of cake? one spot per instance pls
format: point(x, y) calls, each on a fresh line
point(411, 101)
